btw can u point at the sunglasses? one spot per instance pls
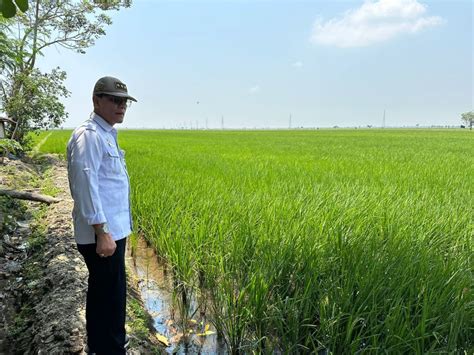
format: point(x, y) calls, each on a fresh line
point(119, 101)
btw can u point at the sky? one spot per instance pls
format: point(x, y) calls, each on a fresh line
point(275, 64)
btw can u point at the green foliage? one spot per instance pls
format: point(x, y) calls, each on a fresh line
point(71, 24)
point(9, 145)
point(7, 46)
point(51, 141)
point(352, 241)
point(28, 96)
point(8, 7)
point(107, 4)
point(48, 185)
point(36, 102)
point(138, 319)
point(468, 118)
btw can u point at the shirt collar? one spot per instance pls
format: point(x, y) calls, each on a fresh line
point(102, 123)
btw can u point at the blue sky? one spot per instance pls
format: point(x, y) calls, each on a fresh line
point(255, 63)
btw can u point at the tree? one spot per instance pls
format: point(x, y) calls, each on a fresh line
point(36, 104)
point(468, 118)
point(32, 98)
point(8, 7)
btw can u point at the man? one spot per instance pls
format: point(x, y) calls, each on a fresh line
point(99, 185)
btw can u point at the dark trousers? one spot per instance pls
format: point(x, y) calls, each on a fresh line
point(106, 299)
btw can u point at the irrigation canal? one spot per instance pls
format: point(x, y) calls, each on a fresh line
point(155, 286)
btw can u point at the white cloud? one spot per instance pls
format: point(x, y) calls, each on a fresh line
point(297, 64)
point(254, 89)
point(373, 22)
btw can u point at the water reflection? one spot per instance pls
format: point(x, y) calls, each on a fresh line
point(155, 286)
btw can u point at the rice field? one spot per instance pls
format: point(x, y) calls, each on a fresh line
point(348, 241)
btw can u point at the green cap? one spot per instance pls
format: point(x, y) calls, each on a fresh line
point(112, 86)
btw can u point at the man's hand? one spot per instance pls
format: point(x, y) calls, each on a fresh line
point(105, 243)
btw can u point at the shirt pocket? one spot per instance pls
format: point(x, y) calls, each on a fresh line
point(113, 161)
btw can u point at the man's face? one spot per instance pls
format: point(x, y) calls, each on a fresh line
point(110, 108)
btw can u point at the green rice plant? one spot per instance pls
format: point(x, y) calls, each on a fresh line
point(53, 141)
point(347, 241)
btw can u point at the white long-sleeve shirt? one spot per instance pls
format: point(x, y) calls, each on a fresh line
point(98, 180)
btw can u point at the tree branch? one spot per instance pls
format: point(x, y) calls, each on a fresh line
point(31, 196)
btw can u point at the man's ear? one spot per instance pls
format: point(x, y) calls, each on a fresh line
point(95, 100)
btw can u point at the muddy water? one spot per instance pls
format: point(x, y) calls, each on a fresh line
point(155, 286)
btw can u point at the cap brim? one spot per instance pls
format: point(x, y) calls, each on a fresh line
point(119, 94)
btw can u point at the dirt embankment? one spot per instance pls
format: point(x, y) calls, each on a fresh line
point(43, 279)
